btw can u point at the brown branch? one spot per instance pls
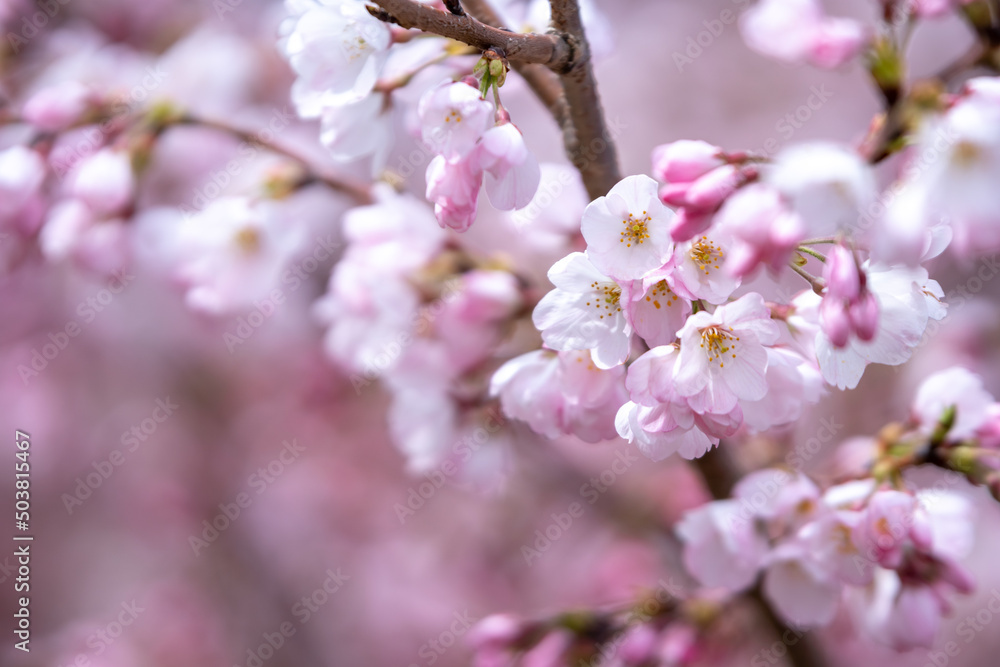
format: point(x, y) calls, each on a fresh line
point(594, 153)
point(720, 472)
point(549, 50)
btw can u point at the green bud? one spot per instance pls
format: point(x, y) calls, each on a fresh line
point(962, 459)
point(481, 68)
point(886, 67)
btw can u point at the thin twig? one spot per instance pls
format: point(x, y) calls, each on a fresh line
point(337, 182)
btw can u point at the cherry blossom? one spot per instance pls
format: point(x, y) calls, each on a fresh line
point(699, 267)
point(512, 172)
point(797, 30)
point(653, 309)
point(764, 228)
point(104, 181)
point(661, 422)
point(453, 119)
point(720, 549)
point(907, 300)
point(584, 312)
point(723, 358)
point(955, 164)
point(358, 129)
point(453, 187)
point(558, 393)
point(626, 231)
point(22, 173)
point(685, 161)
point(234, 252)
point(826, 184)
point(793, 383)
point(955, 388)
point(336, 48)
point(57, 107)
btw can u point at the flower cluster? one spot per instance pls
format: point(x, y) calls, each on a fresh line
point(890, 553)
point(457, 125)
point(350, 69)
point(715, 352)
point(424, 328)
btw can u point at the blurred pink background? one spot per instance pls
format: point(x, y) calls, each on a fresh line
point(400, 587)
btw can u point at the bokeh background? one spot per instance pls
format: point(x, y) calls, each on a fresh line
point(404, 586)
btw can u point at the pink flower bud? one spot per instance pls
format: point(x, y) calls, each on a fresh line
point(843, 281)
point(709, 191)
point(835, 42)
point(512, 171)
point(453, 186)
point(495, 633)
point(104, 181)
point(57, 107)
point(684, 161)
point(674, 194)
point(863, 314)
point(639, 644)
point(835, 322)
point(689, 223)
point(915, 618)
point(989, 432)
point(22, 173)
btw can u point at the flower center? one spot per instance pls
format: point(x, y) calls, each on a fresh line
point(606, 297)
point(248, 240)
point(842, 535)
point(706, 254)
point(718, 342)
point(661, 292)
point(966, 154)
point(635, 229)
point(355, 48)
point(453, 115)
